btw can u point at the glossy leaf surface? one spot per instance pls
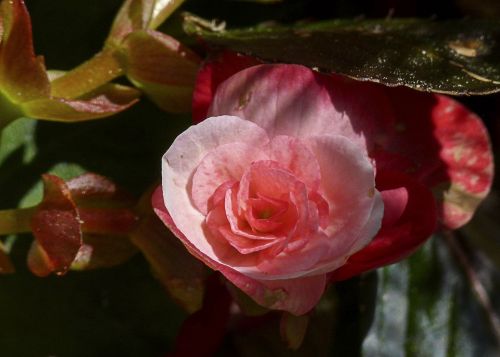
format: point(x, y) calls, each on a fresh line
point(455, 57)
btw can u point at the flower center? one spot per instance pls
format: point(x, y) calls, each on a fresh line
point(265, 213)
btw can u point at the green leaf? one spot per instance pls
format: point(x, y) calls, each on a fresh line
point(424, 307)
point(454, 57)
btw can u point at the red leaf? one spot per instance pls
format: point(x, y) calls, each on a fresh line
point(56, 225)
point(91, 190)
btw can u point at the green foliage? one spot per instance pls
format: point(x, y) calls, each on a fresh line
point(454, 57)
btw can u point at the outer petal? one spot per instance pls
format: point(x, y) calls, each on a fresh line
point(296, 296)
point(284, 100)
point(213, 73)
point(296, 101)
point(184, 156)
point(399, 236)
point(444, 145)
point(348, 184)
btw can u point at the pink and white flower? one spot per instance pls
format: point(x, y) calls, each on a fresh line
point(297, 178)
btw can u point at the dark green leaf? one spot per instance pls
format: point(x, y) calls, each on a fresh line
point(455, 57)
point(425, 307)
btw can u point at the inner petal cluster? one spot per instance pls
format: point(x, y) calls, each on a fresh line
point(260, 202)
point(268, 211)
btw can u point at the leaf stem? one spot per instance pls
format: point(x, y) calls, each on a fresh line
point(13, 221)
point(90, 75)
point(476, 285)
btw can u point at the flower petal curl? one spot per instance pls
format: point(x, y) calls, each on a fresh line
point(403, 233)
point(298, 296)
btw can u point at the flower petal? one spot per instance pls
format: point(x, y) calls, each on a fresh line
point(213, 73)
point(293, 155)
point(442, 144)
point(184, 156)
point(226, 163)
point(283, 100)
point(348, 184)
point(397, 239)
point(297, 296)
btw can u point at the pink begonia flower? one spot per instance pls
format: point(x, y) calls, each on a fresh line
point(297, 178)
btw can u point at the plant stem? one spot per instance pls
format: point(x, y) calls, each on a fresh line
point(90, 75)
point(13, 221)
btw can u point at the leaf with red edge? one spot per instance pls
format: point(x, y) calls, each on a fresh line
point(162, 67)
point(102, 105)
point(92, 190)
point(409, 220)
point(22, 74)
point(107, 217)
point(56, 225)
